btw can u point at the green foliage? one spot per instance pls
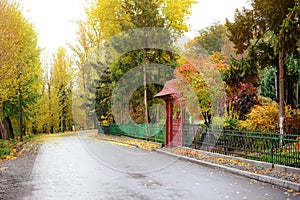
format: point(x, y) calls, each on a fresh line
point(231, 123)
point(103, 97)
point(273, 11)
point(108, 18)
point(84, 50)
point(6, 147)
point(267, 87)
point(289, 30)
point(270, 26)
point(211, 38)
point(241, 71)
point(241, 79)
point(248, 24)
point(293, 64)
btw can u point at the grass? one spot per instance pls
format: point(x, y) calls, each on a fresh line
point(6, 147)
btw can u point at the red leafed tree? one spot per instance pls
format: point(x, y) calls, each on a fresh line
point(205, 80)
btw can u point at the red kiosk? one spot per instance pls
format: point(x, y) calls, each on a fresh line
point(174, 123)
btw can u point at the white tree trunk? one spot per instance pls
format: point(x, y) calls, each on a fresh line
point(145, 94)
point(281, 95)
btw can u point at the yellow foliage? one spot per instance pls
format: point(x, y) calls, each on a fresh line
point(108, 18)
point(61, 86)
point(105, 17)
point(264, 117)
point(19, 63)
point(176, 13)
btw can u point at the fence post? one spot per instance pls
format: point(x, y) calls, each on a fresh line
point(225, 144)
point(271, 160)
point(245, 147)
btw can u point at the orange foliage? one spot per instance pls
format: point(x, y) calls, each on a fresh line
point(219, 60)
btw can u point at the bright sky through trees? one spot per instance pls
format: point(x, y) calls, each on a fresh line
point(55, 19)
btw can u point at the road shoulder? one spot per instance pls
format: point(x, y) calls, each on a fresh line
point(277, 179)
point(15, 173)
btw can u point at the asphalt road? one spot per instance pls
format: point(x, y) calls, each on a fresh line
point(83, 167)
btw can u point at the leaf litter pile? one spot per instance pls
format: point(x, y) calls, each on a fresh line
point(150, 146)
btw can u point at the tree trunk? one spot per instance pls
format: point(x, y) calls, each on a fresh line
point(3, 131)
point(207, 119)
point(9, 128)
point(20, 113)
point(281, 95)
point(276, 85)
point(145, 94)
point(85, 100)
point(297, 94)
point(291, 88)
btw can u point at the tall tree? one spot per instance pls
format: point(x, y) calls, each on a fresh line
point(253, 25)
point(61, 91)
point(19, 62)
point(82, 49)
point(212, 38)
point(132, 14)
point(238, 72)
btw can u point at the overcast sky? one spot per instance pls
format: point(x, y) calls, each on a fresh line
point(54, 19)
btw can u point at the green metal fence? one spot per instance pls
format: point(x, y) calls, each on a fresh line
point(267, 147)
point(149, 132)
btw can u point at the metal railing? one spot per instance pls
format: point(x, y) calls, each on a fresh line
point(149, 132)
point(251, 145)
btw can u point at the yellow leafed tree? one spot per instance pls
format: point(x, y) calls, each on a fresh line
point(19, 66)
point(61, 92)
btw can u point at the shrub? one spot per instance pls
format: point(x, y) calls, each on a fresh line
point(264, 118)
point(231, 123)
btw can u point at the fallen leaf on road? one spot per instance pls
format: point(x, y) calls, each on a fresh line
point(130, 141)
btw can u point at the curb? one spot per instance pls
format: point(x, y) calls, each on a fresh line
point(286, 169)
point(259, 177)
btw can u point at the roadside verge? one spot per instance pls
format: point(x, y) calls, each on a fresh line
point(282, 176)
point(260, 177)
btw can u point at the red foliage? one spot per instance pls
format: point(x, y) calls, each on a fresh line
point(292, 124)
point(243, 99)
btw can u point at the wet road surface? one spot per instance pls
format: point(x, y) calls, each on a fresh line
point(83, 167)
